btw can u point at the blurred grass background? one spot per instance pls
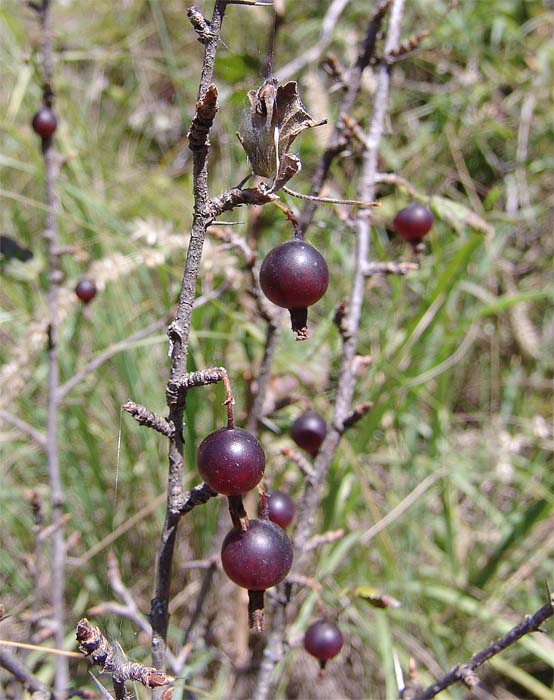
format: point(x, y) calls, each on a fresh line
point(461, 370)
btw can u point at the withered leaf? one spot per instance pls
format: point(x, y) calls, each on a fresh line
point(275, 119)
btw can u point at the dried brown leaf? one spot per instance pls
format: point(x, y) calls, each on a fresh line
point(276, 118)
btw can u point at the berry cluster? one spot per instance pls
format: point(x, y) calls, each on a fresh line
point(255, 554)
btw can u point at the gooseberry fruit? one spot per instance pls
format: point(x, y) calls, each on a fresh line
point(280, 508)
point(44, 122)
point(257, 558)
point(413, 222)
point(231, 461)
point(308, 431)
point(85, 289)
point(323, 640)
point(294, 275)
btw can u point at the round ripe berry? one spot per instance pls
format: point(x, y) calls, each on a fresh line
point(294, 275)
point(85, 289)
point(308, 431)
point(280, 508)
point(231, 461)
point(413, 222)
point(323, 640)
point(257, 558)
point(44, 122)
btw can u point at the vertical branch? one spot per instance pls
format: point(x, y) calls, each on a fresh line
point(346, 379)
point(51, 165)
point(349, 328)
point(178, 332)
point(262, 380)
point(338, 141)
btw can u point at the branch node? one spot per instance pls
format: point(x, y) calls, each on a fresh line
point(357, 413)
point(300, 461)
point(195, 497)
point(150, 419)
point(206, 109)
point(237, 512)
point(200, 25)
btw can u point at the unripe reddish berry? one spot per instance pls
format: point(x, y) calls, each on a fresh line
point(231, 461)
point(280, 508)
point(308, 431)
point(323, 640)
point(44, 122)
point(413, 222)
point(294, 275)
point(85, 289)
point(257, 558)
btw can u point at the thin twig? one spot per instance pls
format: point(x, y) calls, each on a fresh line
point(328, 25)
point(263, 378)
point(357, 413)
point(346, 379)
point(121, 590)
point(464, 672)
point(118, 532)
point(107, 354)
point(125, 344)
point(394, 179)
point(130, 609)
point(337, 141)
point(37, 437)
point(329, 200)
point(146, 417)
point(110, 659)
point(389, 268)
point(51, 168)
point(200, 601)
point(299, 459)
point(324, 538)
point(23, 675)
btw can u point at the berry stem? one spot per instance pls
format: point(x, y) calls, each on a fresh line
point(298, 232)
point(331, 200)
point(299, 322)
point(263, 508)
point(237, 512)
point(229, 400)
point(256, 610)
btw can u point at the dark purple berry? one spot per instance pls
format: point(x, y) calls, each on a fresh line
point(44, 122)
point(294, 275)
point(323, 640)
point(85, 289)
point(308, 431)
point(280, 508)
point(231, 461)
point(257, 558)
point(413, 222)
